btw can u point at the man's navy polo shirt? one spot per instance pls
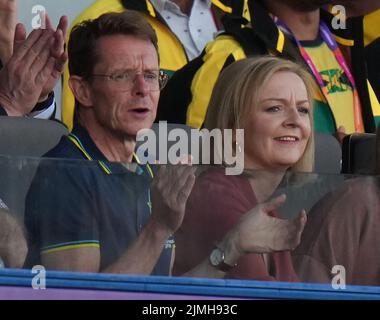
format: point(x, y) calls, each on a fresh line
point(73, 204)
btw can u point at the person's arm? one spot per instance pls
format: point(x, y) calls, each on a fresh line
point(170, 190)
point(13, 246)
point(42, 110)
point(143, 254)
point(256, 232)
point(139, 258)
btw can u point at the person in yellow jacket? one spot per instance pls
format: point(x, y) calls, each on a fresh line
point(173, 52)
point(345, 101)
point(364, 22)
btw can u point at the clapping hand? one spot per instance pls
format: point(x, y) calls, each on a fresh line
point(171, 188)
point(58, 52)
point(33, 69)
point(8, 16)
point(258, 232)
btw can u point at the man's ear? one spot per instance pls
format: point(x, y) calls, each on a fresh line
point(81, 91)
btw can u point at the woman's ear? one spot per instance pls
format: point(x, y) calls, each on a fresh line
point(81, 91)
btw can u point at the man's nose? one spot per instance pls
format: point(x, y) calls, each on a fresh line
point(140, 86)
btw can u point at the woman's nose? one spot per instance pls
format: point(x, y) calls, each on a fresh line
point(293, 117)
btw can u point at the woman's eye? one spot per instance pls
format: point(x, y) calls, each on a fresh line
point(303, 110)
point(273, 109)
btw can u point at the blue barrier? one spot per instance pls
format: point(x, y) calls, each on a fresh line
point(65, 283)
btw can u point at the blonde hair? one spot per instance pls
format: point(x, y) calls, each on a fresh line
point(238, 89)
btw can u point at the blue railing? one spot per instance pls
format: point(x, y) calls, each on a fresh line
point(69, 285)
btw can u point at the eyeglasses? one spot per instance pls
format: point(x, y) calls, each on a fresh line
point(124, 81)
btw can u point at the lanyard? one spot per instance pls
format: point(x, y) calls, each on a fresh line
point(327, 36)
point(104, 167)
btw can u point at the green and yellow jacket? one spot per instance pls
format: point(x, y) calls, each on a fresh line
point(172, 53)
point(186, 97)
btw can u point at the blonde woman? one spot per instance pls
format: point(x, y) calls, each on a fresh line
point(270, 99)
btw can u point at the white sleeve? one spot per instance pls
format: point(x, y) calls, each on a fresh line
point(45, 113)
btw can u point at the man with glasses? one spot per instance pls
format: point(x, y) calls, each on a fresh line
point(97, 216)
point(183, 27)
